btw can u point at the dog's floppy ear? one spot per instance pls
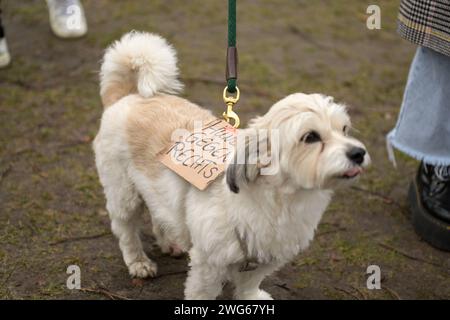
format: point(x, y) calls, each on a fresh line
point(246, 164)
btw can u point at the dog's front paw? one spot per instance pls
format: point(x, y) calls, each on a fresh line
point(257, 295)
point(143, 269)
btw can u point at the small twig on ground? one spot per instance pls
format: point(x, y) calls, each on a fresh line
point(110, 295)
point(347, 292)
point(305, 37)
point(169, 274)
point(32, 227)
point(283, 286)
point(363, 295)
point(407, 255)
point(73, 143)
point(95, 236)
point(22, 151)
point(381, 196)
point(330, 231)
point(5, 172)
point(392, 292)
point(385, 198)
point(19, 83)
point(4, 282)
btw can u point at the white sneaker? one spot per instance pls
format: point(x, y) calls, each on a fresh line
point(67, 18)
point(5, 58)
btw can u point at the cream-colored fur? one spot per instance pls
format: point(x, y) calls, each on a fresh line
point(243, 215)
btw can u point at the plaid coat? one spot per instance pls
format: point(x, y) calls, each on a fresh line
point(426, 23)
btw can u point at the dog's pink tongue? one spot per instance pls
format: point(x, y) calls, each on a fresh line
point(353, 172)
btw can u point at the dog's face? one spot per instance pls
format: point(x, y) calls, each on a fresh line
point(314, 148)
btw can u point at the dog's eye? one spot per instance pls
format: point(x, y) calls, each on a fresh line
point(311, 137)
point(345, 130)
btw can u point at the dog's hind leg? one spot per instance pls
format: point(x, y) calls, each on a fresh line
point(127, 231)
point(125, 206)
point(170, 234)
point(161, 239)
point(164, 197)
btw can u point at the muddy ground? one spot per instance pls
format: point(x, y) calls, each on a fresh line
point(52, 208)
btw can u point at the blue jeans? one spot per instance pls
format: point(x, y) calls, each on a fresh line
point(423, 125)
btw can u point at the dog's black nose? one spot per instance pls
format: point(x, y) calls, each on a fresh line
point(356, 154)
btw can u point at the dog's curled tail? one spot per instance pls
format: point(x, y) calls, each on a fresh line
point(139, 62)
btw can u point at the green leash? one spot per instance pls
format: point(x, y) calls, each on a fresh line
point(231, 70)
point(231, 74)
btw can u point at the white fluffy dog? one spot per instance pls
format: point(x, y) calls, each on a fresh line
point(243, 218)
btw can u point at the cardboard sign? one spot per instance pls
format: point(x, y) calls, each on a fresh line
point(200, 156)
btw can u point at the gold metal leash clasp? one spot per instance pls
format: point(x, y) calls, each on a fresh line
point(230, 102)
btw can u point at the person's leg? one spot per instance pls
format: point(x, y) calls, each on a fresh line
point(67, 18)
point(422, 132)
point(5, 57)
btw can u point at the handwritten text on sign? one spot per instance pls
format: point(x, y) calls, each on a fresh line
point(200, 156)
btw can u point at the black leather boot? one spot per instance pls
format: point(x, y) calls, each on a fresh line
point(429, 197)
